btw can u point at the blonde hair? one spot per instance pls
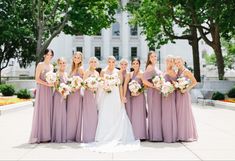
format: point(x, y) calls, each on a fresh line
point(73, 68)
point(60, 59)
point(111, 57)
point(123, 60)
point(180, 58)
point(170, 57)
point(93, 58)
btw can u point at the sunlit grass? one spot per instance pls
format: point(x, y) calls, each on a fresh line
point(11, 100)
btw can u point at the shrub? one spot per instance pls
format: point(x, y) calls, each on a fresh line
point(231, 93)
point(218, 96)
point(1, 85)
point(7, 90)
point(23, 93)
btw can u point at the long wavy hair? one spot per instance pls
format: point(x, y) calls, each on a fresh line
point(74, 67)
point(148, 58)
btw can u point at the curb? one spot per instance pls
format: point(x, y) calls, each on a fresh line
point(13, 107)
point(225, 105)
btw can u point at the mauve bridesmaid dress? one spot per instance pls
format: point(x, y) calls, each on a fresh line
point(139, 114)
point(59, 116)
point(154, 101)
point(74, 116)
point(169, 118)
point(42, 117)
point(187, 130)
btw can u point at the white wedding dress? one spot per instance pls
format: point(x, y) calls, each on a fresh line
point(114, 130)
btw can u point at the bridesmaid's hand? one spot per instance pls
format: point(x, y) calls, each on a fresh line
point(124, 100)
point(183, 91)
point(50, 84)
point(157, 88)
point(134, 94)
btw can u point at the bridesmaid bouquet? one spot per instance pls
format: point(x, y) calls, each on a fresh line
point(182, 83)
point(51, 77)
point(167, 88)
point(158, 81)
point(76, 82)
point(135, 88)
point(110, 82)
point(64, 90)
point(91, 83)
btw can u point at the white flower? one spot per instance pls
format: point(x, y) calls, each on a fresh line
point(167, 88)
point(76, 82)
point(182, 83)
point(134, 86)
point(64, 89)
point(92, 83)
point(158, 80)
point(109, 82)
point(51, 77)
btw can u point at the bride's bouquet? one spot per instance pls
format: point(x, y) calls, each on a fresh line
point(76, 82)
point(109, 82)
point(182, 83)
point(135, 88)
point(158, 81)
point(64, 90)
point(91, 83)
point(167, 88)
point(51, 77)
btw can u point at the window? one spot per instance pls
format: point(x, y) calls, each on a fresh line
point(98, 52)
point(133, 52)
point(116, 52)
point(133, 30)
point(79, 49)
point(116, 29)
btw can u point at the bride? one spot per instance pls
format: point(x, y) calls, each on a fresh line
point(114, 131)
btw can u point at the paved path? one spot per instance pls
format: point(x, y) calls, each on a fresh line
point(216, 128)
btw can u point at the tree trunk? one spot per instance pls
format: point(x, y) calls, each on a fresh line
point(195, 51)
point(218, 52)
point(219, 60)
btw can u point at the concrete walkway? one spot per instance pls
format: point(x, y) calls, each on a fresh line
point(216, 128)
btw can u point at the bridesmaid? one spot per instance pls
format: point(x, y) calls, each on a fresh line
point(169, 120)
point(90, 113)
point(154, 99)
point(187, 130)
point(138, 102)
point(59, 106)
point(74, 103)
point(42, 117)
point(123, 72)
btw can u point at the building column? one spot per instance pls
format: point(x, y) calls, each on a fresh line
point(143, 47)
point(87, 50)
point(125, 33)
point(106, 43)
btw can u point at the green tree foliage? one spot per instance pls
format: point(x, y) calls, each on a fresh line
point(16, 38)
point(28, 27)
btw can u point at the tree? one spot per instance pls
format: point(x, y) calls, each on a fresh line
point(209, 17)
point(158, 18)
point(71, 16)
point(30, 26)
point(215, 18)
point(16, 39)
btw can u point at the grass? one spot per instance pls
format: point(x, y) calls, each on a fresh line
point(11, 100)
